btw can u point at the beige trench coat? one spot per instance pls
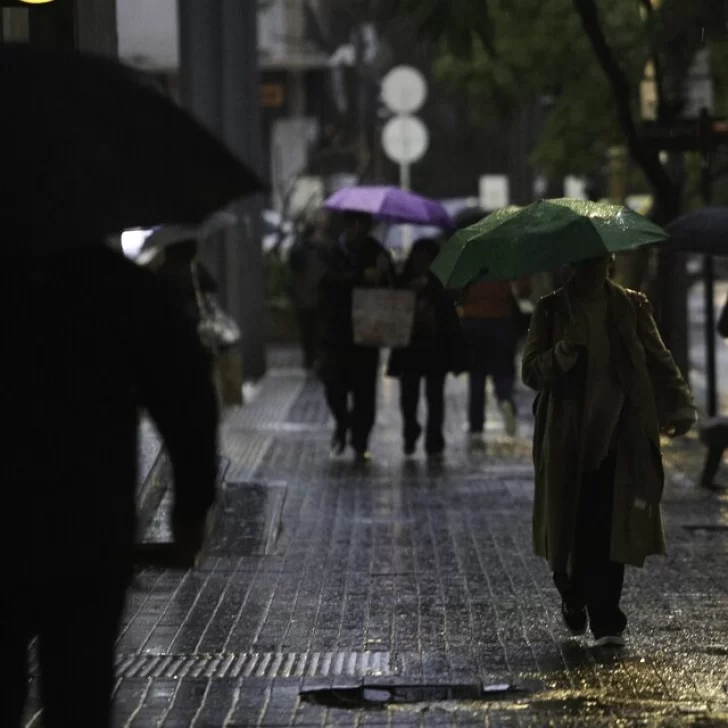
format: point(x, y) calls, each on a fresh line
point(656, 395)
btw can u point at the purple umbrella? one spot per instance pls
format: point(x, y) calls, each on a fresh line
point(390, 204)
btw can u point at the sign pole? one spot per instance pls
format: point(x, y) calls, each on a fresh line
point(404, 176)
point(405, 183)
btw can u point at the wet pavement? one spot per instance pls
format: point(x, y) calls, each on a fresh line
point(405, 593)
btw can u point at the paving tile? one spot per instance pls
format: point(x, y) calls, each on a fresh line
point(322, 573)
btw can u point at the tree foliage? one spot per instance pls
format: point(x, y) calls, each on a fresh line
point(538, 49)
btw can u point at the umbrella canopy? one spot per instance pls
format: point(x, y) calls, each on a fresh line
point(542, 236)
point(94, 149)
point(703, 232)
point(390, 204)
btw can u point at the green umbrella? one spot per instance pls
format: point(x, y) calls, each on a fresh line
point(543, 236)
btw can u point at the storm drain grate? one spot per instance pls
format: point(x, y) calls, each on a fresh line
point(259, 664)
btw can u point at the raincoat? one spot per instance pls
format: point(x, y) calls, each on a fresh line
point(655, 396)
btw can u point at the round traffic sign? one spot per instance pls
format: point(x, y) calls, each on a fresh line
point(404, 90)
point(405, 139)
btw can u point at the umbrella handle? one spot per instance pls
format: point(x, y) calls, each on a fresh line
point(569, 309)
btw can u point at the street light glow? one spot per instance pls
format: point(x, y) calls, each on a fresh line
point(36, 2)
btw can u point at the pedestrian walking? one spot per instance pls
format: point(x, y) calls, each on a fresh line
point(349, 371)
point(490, 317)
point(173, 253)
point(179, 264)
point(435, 350)
point(307, 269)
point(92, 339)
point(607, 387)
point(113, 340)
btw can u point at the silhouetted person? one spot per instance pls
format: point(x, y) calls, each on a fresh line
point(355, 260)
point(180, 265)
point(94, 339)
point(491, 334)
point(307, 269)
point(607, 387)
point(436, 348)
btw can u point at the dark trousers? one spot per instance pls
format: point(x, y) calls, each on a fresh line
point(410, 384)
point(491, 348)
point(477, 379)
point(76, 626)
point(308, 331)
point(596, 581)
point(350, 380)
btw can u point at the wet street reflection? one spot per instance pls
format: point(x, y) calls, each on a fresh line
point(404, 592)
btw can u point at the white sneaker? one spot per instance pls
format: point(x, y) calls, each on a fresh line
point(610, 640)
point(509, 418)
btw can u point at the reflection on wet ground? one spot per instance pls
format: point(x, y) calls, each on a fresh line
point(325, 575)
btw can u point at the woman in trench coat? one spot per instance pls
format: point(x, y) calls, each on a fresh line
point(607, 388)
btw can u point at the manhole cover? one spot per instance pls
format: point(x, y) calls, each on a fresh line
point(706, 528)
point(382, 696)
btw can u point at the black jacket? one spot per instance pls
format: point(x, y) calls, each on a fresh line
point(343, 273)
point(89, 339)
point(437, 345)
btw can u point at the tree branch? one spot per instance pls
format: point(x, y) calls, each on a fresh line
point(647, 159)
point(662, 105)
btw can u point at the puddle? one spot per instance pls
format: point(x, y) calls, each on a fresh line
point(384, 696)
point(251, 521)
point(706, 528)
point(248, 521)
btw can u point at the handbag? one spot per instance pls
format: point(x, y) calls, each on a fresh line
point(383, 317)
point(217, 329)
point(219, 334)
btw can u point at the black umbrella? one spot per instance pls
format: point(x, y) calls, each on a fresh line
point(703, 232)
point(92, 148)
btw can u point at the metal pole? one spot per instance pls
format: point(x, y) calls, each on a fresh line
point(201, 94)
point(96, 30)
point(404, 176)
point(709, 272)
point(709, 279)
point(405, 184)
point(200, 61)
point(242, 132)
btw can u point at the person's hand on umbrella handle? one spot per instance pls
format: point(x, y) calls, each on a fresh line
point(575, 334)
point(678, 428)
point(575, 337)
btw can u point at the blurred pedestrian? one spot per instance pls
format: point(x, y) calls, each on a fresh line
point(180, 265)
point(435, 350)
point(174, 254)
point(307, 268)
point(95, 338)
point(490, 322)
point(607, 387)
point(349, 371)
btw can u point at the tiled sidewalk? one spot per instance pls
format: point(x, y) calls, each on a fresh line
point(323, 573)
